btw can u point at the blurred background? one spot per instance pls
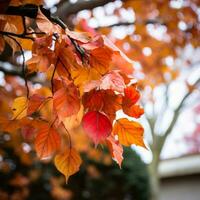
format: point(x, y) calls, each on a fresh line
point(162, 37)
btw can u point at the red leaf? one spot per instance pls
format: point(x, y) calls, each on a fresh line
point(131, 95)
point(97, 126)
point(103, 100)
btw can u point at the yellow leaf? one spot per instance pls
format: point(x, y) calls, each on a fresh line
point(68, 162)
point(129, 132)
point(19, 107)
point(83, 75)
point(74, 120)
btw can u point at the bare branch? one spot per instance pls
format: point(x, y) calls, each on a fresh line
point(176, 115)
point(66, 8)
point(15, 35)
point(133, 23)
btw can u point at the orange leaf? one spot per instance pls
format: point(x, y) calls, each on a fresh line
point(133, 110)
point(115, 149)
point(129, 132)
point(34, 103)
point(100, 59)
point(131, 95)
point(66, 101)
point(68, 162)
point(83, 75)
point(47, 141)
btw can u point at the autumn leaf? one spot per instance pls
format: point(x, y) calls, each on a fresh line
point(97, 126)
point(133, 110)
point(66, 101)
point(93, 100)
point(103, 100)
point(47, 141)
point(19, 107)
point(115, 149)
point(100, 59)
point(34, 103)
point(129, 132)
point(45, 25)
point(79, 36)
point(113, 81)
point(42, 55)
point(83, 75)
point(131, 96)
point(74, 121)
point(68, 162)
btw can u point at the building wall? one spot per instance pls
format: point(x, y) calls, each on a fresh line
point(181, 188)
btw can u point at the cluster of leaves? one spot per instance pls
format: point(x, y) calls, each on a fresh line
point(84, 87)
point(154, 34)
point(24, 177)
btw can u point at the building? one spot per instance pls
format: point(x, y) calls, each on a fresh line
point(180, 178)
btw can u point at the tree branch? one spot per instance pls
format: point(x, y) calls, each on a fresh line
point(27, 10)
point(67, 8)
point(5, 33)
point(176, 115)
point(132, 23)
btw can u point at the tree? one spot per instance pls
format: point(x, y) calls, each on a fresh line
point(155, 35)
point(81, 87)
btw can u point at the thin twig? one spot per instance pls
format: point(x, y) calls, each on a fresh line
point(24, 24)
point(54, 70)
point(68, 134)
point(15, 35)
